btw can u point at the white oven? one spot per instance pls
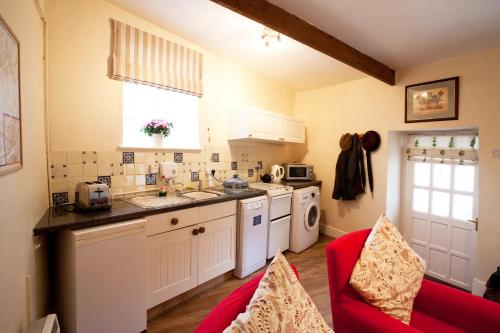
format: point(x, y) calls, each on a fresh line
point(280, 207)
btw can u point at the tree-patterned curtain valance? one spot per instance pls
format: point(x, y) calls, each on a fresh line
point(141, 57)
point(444, 148)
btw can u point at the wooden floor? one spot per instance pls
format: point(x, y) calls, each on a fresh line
point(310, 263)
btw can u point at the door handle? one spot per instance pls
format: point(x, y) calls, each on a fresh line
point(476, 221)
point(195, 232)
point(201, 230)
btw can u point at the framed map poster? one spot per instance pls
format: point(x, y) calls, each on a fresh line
point(10, 101)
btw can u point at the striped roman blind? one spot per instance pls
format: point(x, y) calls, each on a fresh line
point(142, 57)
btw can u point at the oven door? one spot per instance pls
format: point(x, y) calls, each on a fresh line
point(280, 206)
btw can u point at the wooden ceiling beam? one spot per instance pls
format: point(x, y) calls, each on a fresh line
point(294, 27)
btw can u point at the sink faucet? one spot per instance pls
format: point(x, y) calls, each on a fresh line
point(200, 185)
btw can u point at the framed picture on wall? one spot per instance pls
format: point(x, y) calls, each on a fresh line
point(432, 101)
point(10, 101)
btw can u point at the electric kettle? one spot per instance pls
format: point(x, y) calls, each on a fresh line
point(277, 171)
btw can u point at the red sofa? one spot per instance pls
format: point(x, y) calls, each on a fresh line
point(437, 308)
point(230, 307)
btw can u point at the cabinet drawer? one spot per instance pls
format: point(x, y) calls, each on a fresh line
point(216, 211)
point(156, 224)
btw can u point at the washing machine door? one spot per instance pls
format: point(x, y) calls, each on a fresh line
point(311, 216)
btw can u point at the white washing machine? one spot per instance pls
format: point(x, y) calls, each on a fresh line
point(304, 229)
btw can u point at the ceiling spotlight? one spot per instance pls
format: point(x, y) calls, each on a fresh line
point(270, 36)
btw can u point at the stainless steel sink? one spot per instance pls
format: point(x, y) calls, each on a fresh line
point(199, 195)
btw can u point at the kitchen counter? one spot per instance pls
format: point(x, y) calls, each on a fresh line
point(64, 217)
point(296, 184)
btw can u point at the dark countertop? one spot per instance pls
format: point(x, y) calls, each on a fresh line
point(296, 184)
point(61, 218)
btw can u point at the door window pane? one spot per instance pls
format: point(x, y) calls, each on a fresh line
point(464, 178)
point(422, 173)
point(462, 206)
point(420, 200)
point(440, 203)
point(441, 176)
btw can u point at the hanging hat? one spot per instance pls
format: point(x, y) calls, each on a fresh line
point(346, 142)
point(370, 142)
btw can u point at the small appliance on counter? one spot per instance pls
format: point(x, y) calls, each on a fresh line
point(92, 196)
point(277, 172)
point(296, 171)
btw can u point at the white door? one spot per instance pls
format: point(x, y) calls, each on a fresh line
point(216, 247)
point(264, 125)
point(172, 264)
point(440, 218)
point(292, 130)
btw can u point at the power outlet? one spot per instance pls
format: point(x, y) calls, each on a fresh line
point(495, 153)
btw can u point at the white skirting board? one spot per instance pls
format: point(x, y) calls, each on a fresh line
point(478, 287)
point(331, 231)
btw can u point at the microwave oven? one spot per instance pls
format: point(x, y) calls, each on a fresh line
point(297, 171)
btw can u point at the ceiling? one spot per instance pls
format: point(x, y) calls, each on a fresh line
point(397, 33)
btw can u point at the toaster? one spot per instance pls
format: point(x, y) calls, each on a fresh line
point(92, 195)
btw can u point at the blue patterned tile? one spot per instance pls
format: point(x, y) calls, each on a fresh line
point(215, 157)
point(151, 179)
point(250, 172)
point(128, 157)
point(105, 179)
point(195, 176)
point(234, 165)
point(178, 157)
point(59, 198)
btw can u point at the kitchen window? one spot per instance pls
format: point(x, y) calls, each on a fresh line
point(142, 103)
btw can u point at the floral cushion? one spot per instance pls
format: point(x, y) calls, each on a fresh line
point(280, 304)
point(388, 273)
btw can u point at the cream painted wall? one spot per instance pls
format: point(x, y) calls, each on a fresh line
point(85, 105)
point(23, 194)
point(365, 104)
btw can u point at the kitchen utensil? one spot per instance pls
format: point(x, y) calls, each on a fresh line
point(168, 170)
point(370, 142)
point(277, 171)
point(266, 178)
point(235, 183)
point(92, 195)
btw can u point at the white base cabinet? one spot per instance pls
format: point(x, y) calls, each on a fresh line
point(216, 248)
point(181, 259)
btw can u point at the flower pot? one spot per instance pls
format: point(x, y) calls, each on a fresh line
point(158, 140)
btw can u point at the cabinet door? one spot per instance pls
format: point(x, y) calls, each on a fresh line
point(264, 125)
point(216, 248)
point(292, 130)
point(172, 264)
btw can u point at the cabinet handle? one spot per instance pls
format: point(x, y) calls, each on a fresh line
point(249, 135)
point(195, 232)
point(174, 221)
point(201, 230)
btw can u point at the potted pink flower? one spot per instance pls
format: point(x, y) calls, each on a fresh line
point(158, 128)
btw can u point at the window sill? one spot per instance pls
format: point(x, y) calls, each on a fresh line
point(150, 148)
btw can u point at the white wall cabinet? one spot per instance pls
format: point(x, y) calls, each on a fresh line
point(189, 253)
point(256, 125)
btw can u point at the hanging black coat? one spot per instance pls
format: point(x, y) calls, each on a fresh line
point(350, 172)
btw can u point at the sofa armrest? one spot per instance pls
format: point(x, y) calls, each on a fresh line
point(461, 309)
point(351, 316)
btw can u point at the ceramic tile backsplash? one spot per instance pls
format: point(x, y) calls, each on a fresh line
point(130, 171)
